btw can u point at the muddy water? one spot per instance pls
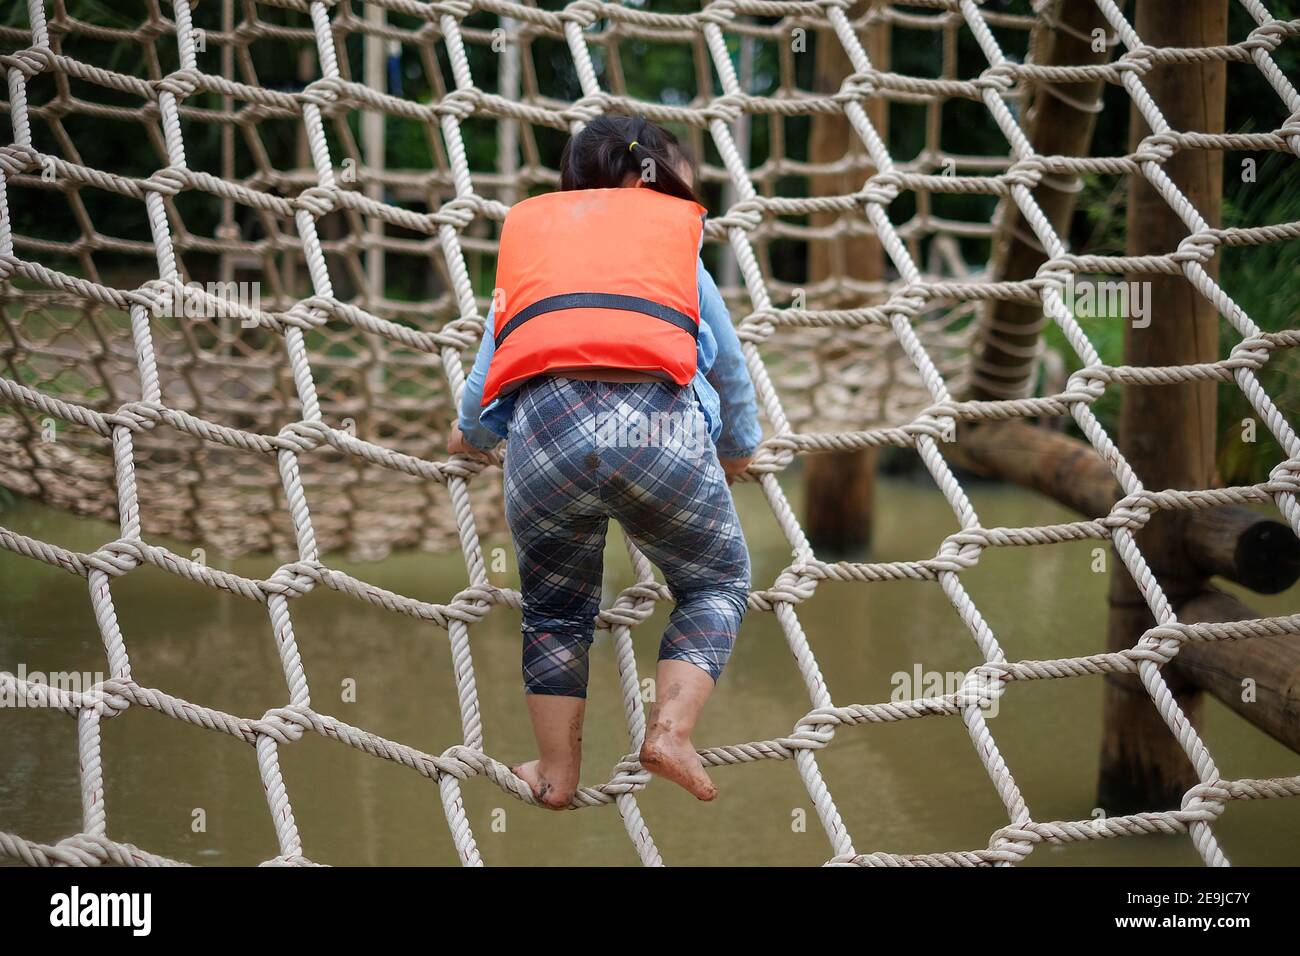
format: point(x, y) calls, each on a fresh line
point(915, 786)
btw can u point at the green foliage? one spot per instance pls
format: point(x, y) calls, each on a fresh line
point(1263, 280)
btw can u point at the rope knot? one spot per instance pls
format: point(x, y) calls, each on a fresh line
point(180, 84)
point(721, 13)
point(1199, 247)
point(284, 725)
point(459, 212)
point(1138, 60)
point(727, 108)
point(584, 13)
point(1206, 801)
point(324, 92)
point(1290, 128)
point(589, 107)
point(15, 159)
point(112, 696)
point(162, 298)
point(1001, 78)
point(882, 188)
point(317, 200)
point(311, 313)
point(292, 580)
point(168, 181)
point(118, 557)
point(459, 9)
point(1027, 172)
point(759, 325)
point(137, 416)
point(1268, 36)
point(746, 214)
point(858, 85)
point(303, 436)
point(460, 104)
point(1156, 148)
point(31, 61)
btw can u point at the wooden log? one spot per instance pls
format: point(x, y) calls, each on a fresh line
point(1049, 462)
point(839, 487)
point(1060, 123)
point(1271, 665)
point(1167, 432)
point(1244, 546)
point(1239, 544)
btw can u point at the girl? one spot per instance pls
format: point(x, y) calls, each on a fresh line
point(609, 363)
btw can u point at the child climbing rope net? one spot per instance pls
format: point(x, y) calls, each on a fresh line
point(917, 330)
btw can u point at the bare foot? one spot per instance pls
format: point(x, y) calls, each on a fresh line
point(675, 759)
point(552, 790)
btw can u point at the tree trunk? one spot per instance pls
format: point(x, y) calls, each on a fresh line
point(1167, 432)
point(840, 486)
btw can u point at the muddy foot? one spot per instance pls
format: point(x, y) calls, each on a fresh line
point(552, 790)
point(676, 760)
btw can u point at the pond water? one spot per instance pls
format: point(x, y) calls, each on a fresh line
point(913, 786)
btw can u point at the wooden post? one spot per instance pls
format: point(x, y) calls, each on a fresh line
point(840, 486)
point(1060, 124)
point(1166, 432)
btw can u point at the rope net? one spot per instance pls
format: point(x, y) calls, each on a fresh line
point(331, 392)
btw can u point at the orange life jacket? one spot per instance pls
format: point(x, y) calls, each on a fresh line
point(596, 278)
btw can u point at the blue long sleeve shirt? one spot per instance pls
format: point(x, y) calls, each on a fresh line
point(721, 383)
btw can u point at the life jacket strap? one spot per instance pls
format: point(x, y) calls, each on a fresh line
point(599, 300)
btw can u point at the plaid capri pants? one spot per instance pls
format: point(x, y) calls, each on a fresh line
point(580, 452)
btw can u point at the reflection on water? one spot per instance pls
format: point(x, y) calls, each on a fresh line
point(915, 786)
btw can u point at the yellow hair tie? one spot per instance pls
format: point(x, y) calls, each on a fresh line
point(631, 144)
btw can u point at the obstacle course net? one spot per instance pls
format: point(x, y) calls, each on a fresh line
point(332, 392)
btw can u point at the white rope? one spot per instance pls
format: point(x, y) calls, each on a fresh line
point(904, 318)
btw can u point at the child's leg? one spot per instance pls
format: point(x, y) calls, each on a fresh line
point(674, 502)
point(560, 575)
point(557, 725)
point(681, 692)
point(559, 527)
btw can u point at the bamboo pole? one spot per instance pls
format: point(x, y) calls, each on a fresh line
point(840, 486)
point(1167, 432)
point(373, 148)
point(741, 134)
point(374, 145)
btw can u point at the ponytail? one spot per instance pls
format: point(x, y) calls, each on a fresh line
point(611, 150)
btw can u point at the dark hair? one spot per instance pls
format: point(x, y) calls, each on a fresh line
point(610, 149)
